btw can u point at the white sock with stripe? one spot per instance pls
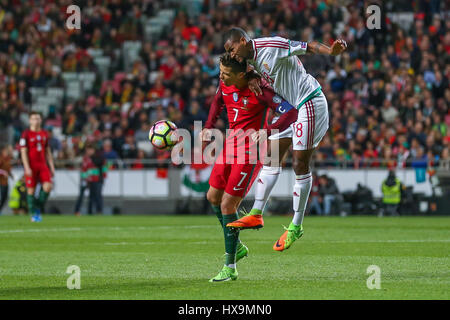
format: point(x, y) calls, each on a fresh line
point(264, 185)
point(302, 187)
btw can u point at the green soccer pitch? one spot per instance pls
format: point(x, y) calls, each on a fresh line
point(173, 257)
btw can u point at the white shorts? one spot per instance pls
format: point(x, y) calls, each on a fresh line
point(287, 133)
point(311, 124)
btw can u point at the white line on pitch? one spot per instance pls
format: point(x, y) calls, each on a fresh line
point(106, 228)
point(40, 230)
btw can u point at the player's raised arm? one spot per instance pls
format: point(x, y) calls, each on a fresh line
point(336, 48)
point(286, 48)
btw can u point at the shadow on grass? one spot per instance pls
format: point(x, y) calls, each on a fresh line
point(151, 289)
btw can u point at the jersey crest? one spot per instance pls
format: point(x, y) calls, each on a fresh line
point(245, 102)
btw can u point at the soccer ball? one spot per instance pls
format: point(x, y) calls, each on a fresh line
point(162, 134)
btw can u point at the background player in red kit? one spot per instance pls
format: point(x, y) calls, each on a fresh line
point(37, 163)
point(231, 179)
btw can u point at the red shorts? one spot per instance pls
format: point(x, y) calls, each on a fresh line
point(235, 179)
point(40, 174)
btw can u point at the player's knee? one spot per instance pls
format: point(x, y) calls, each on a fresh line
point(300, 166)
point(213, 197)
point(47, 187)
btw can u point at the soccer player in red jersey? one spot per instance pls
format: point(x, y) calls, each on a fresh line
point(231, 178)
point(37, 163)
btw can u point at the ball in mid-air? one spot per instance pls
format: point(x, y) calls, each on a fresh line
point(162, 134)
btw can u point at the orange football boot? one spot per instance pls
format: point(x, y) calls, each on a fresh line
point(250, 221)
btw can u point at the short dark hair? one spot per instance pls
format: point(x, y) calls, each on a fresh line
point(235, 34)
point(227, 61)
point(32, 113)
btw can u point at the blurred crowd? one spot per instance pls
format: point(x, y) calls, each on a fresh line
point(388, 94)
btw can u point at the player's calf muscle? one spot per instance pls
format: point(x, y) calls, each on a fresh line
point(301, 160)
point(230, 203)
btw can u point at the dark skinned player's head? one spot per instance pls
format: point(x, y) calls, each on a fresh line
point(232, 71)
point(237, 43)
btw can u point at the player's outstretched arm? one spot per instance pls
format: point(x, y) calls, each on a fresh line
point(336, 48)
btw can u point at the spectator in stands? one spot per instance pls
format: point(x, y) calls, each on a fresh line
point(53, 142)
point(401, 80)
point(66, 153)
point(129, 149)
point(388, 112)
point(138, 163)
point(108, 152)
point(329, 192)
point(118, 140)
point(142, 133)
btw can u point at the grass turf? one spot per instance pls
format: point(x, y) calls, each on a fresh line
point(172, 257)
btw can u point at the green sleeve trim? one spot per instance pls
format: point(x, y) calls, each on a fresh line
point(310, 96)
point(289, 52)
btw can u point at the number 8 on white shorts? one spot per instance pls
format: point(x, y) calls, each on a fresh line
point(311, 124)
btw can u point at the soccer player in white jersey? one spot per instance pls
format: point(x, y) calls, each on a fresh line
point(275, 59)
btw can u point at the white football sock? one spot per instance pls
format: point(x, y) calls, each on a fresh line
point(302, 187)
point(264, 185)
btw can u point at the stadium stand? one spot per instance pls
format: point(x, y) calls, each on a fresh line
point(135, 62)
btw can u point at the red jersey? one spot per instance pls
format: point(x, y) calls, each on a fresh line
point(247, 111)
point(36, 142)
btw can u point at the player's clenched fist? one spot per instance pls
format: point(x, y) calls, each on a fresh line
point(254, 84)
point(338, 47)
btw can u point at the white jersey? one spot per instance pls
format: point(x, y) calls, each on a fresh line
point(275, 59)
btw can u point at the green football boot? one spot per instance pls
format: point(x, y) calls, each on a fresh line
point(241, 251)
point(289, 236)
point(226, 274)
